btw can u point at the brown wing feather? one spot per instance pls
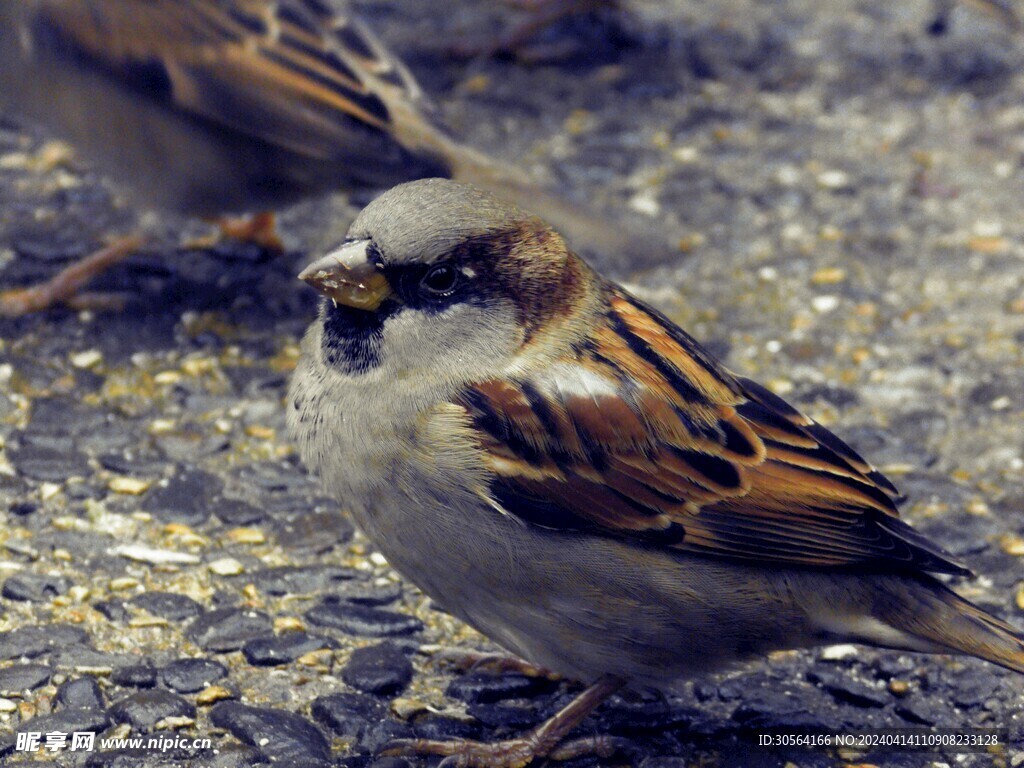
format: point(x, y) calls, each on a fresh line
point(643, 435)
point(292, 73)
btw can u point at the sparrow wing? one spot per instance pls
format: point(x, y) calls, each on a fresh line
point(293, 73)
point(642, 435)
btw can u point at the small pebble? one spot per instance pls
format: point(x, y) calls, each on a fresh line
point(148, 621)
point(82, 692)
point(1012, 544)
point(484, 688)
point(87, 359)
point(380, 592)
point(113, 610)
point(839, 652)
point(246, 536)
point(828, 276)
point(825, 304)
point(129, 486)
point(847, 690)
point(30, 642)
point(284, 624)
point(899, 688)
point(320, 660)
point(23, 677)
point(123, 584)
point(185, 498)
point(226, 566)
point(142, 675)
point(214, 693)
point(143, 554)
point(168, 605)
point(71, 720)
point(191, 675)
point(281, 736)
point(302, 580)
point(49, 465)
point(363, 620)
point(917, 712)
point(228, 629)
point(348, 714)
point(833, 179)
point(282, 649)
point(381, 669)
point(233, 512)
point(145, 709)
point(34, 587)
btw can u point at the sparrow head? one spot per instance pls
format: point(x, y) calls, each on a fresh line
point(434, 271)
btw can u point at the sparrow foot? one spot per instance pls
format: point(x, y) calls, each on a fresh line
point(543, 741)
point(496, 663)
point(259, 229)
point(65, 286)
point(511, 753)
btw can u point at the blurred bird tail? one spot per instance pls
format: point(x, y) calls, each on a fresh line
point(932, 617)
point(1002, 10)
point(617, 244)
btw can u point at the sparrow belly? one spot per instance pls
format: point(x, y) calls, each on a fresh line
point(583, 605)
point(579, 604)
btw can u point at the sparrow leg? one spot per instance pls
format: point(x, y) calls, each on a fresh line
point(259, 229)
point(495, 663)
point(63, 287)
point(542, 741)
point(541, 15)
point(598, 746)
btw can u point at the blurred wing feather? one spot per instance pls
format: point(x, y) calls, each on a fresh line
point(293, 73)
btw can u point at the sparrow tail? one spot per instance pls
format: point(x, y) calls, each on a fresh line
point(934, 618)
point(615, 245)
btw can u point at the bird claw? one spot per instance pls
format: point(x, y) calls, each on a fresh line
point(510, 753)
point(604, 747)
point(259, 229)
point(542, 741)
point(464, 753)
point(66, 286)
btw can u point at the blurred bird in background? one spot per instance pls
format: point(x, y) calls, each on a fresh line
point(214, 107)
point(1001, 10)
point(521, 40)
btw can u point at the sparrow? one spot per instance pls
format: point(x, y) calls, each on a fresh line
point(212, 107)
point(563, 468)
point(520, 42)
point(1003, 11)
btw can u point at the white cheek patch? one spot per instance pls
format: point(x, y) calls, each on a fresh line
point(456, 345)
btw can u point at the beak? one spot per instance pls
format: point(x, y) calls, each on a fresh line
point(347, 277)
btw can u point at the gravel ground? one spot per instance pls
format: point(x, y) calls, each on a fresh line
point(845, 190)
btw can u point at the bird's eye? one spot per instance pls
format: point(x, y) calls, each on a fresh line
point(440, 280)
